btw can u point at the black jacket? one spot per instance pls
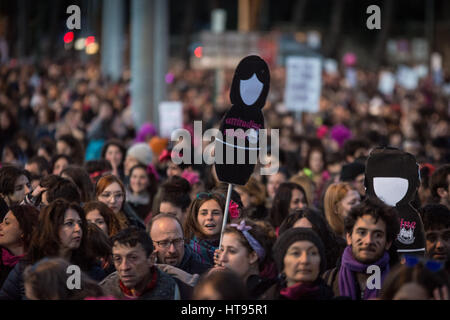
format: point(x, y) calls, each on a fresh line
point(13, 288)
point(132, 217)
point(192, 262)
point(257, 286)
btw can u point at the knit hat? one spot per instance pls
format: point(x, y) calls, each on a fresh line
point(142, 152)
point(293, 235)
point(146, 131)
point(158, 144)
point(350, 171)
point(340, 134)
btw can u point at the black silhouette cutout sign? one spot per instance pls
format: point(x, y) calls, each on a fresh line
point(237, 149)
point(392, 176)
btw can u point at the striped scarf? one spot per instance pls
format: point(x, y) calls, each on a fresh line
point(205, 248)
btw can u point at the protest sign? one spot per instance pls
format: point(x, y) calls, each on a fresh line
point(303, 83)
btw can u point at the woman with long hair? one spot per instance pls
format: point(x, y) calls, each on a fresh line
point(204, 223)
point(111, 191)
point(15, 236)
point(339, 199)
point(103, 217)
point(14, 186)
point(141, 190)
point(114, 152)
point(61, 232)
point(80, 177)
point(289, 196)
point(247, 249)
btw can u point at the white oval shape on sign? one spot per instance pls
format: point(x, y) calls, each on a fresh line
point(390, 190)
point(250, 90)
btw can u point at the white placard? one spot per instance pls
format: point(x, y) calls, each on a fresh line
point(386, 82)
point(436, 61)
point(407, 77)
point(330, 66)
point(303, 83)
point(421, 70)
point(170, 117)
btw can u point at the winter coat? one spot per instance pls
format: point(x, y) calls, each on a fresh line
point(166, 288)
point(323, 293)
point(13, 288)
point(192, 262)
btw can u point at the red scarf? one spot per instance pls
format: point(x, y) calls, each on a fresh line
point(132, 293)
point(9, 259)
point(299, 291)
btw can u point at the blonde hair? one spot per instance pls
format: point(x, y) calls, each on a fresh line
point(256, 189)
point(334, 194)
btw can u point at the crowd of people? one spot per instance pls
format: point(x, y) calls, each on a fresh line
point(81, 186)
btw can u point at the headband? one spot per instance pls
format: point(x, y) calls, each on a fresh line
point(252, 241)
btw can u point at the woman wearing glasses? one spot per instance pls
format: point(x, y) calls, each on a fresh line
point(62, 230)
point(111, 191)
point(204, 223)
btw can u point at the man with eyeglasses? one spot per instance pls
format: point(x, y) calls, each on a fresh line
point(173, 255)
point(436, 221)
point(168, 238)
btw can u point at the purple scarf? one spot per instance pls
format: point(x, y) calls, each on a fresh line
point(347, 281)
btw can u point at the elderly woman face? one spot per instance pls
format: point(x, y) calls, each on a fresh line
point(301, 263)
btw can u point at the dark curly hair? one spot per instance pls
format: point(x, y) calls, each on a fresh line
point(378, 210)
point(282, 202)
point(435, 216)
point(131, 237)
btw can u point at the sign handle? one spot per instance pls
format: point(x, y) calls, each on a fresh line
point(225, 214)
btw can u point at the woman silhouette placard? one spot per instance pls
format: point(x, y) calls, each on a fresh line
point(392, 176)
point(236, 151)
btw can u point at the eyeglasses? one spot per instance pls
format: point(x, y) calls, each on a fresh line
point(432, 265)
point(108, 195)
point(165, 244)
